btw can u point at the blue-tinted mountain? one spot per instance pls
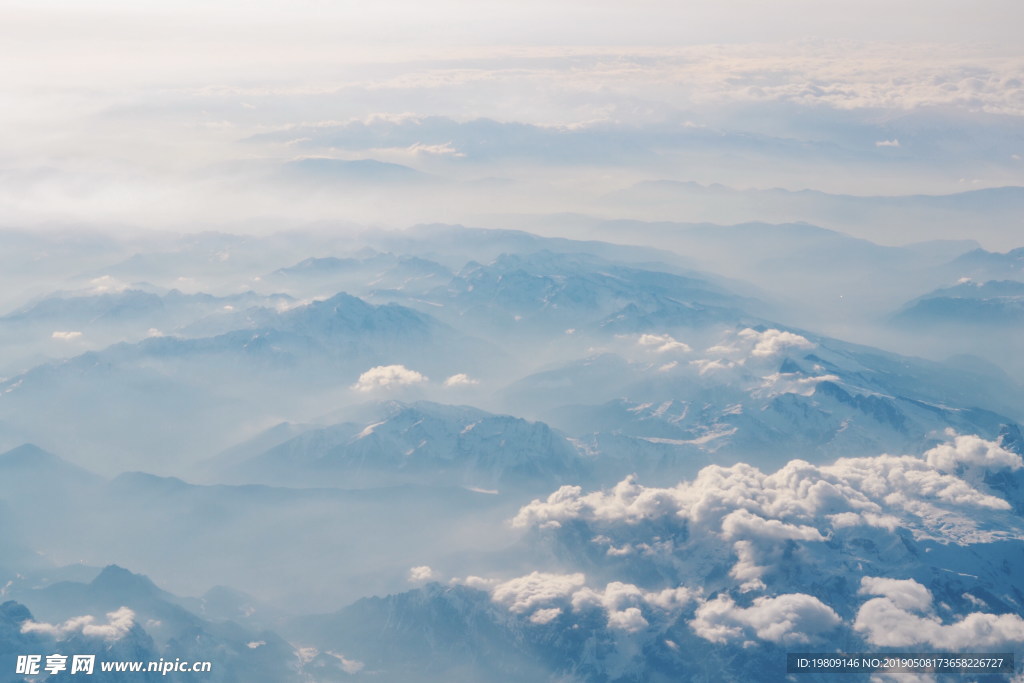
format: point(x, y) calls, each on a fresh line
point(293, 362)
point(422, 443)
point(992, 304)
point(156, 626)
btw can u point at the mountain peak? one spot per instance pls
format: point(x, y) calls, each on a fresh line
point(28, 454)
point(119, 579)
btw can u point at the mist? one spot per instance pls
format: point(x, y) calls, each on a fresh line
point(510, 343)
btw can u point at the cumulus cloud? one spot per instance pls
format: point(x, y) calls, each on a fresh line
point(756, 517)
point(537, 588)
point(387, 377)
point(349, 666)
point(545, 596)
point(969, 449)
point(773, 342)
point(663, 343)
point(545, 616)
point(748, 346)
point(119, 622)
point(789, 619)
point(106, 284)
point(743, 523)
point(445, 149)
point(629, 620)
point(708, 365)
point(902, 617)
point(461, 380)
point(792, 383)
point(421, 574)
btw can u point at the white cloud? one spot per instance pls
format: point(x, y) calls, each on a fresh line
point(969, 449)
point(902, 617)
point(743, 512)
point(106, 284)
point(792, 383)
point(629, 620)
point(119, 622)
point(545, 616)
point(535, 589)
point(745, 524)
point(774, 342)
point(904, 593)
point(66, 335)
point(461, 380)
point(387, 377)
point(349, 666)
point(705, 365)
point(421, 573)
point(445, 149)
point(546, 596)
point(790, 619)
point(887, 143)
point(663, 343)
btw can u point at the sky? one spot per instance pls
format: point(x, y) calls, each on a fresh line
point(141, 114)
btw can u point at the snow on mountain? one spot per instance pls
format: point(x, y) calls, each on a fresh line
point(121, 616)
point(765, 393)
point(421, 443)
point(291, 362)
point(362, 537)
point(362, 274)
point(65, 324)
point(456, 245)
point(983, 265)
point(992, 304)
point(546, 295)
point(741, 566)
point(918, 216)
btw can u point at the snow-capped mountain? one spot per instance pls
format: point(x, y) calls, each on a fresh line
point(362, 274)
point(291, 362)
point(768, 394)
point(422, 443)
point(996, 304)
point(121, 616)
point(720, 576)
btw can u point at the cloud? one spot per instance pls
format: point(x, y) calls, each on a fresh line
point(743, 523)
point(904, 593)
point(119, 622)
point(971, 450)
point(105, 284)
point(387, 377)
point(443, 149)
point(629, 620)
point(663, 343)
point(704, 365)
point(546, 596)
point(791, 383)
point(789, 619)
point(902, 617)
point(461, 380)
point(545, 616)
point(757, 517)
point(349, 666)
point(774, 342)
point(421, 573)
point(537, 588)
point(887, 143)
point(66, 336)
